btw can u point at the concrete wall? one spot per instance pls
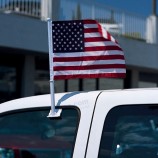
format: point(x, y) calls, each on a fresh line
point(23, 33)
point(139, 53)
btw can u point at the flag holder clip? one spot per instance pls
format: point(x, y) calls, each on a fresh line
point(54, 114)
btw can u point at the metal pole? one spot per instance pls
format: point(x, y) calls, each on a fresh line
point(53, 111)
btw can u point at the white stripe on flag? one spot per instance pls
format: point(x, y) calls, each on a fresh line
point(104, 32)
point(90, 26)
point(93, 62)
point(94, 53)
point(96, 34)
point(105, 35)
point(88, 72)
point(94, 44)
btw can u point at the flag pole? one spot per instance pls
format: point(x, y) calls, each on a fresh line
point(53, 111)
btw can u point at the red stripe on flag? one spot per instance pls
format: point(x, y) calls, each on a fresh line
point(108, 75)
point(88, 67)
point(102, 48)
point(88, 58)
point(108, 36)
point(89, 22)
point(90, 30)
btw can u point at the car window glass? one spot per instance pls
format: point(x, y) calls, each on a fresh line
point(130, 132)
point(32, 134)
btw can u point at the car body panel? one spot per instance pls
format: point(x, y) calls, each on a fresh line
point(93, 107)
point(110, 99)
point(84, 101)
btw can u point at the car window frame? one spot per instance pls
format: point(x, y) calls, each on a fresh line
point(142, 106)
point(67, 107)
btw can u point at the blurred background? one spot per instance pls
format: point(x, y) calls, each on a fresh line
point(24, 59)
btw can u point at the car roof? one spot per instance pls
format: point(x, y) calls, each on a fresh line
point(69, 98)
point(61, 99)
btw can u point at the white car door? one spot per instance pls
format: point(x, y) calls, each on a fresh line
point(125, 124)
point(26, 129)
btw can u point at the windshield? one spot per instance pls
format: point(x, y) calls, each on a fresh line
point(130, 132)
point(32, 134)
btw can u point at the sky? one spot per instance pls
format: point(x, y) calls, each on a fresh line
point(139, 7)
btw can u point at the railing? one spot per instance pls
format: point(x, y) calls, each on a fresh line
point(25, 7)
point(115, 21)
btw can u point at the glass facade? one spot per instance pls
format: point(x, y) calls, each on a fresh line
point(111, 83)
point(42, 75)
point(148, 80)
point(7, 83)
point(11, 67)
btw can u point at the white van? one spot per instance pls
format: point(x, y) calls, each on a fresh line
point(95, 124)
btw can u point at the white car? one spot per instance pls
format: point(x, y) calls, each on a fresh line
point(95, 124)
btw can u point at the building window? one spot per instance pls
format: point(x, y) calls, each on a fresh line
point(89, 84)
point(111, 83)
point(42, 78)
point(148, 80)
point(7, 83)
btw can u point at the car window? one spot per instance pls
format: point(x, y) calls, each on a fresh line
point(130, 132)
point(32, 134)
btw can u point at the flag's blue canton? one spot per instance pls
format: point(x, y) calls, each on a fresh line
point(68, 36)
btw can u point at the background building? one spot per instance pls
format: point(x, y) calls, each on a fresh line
point(24, 59)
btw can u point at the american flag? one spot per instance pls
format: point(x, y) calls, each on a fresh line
point(84, 49)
